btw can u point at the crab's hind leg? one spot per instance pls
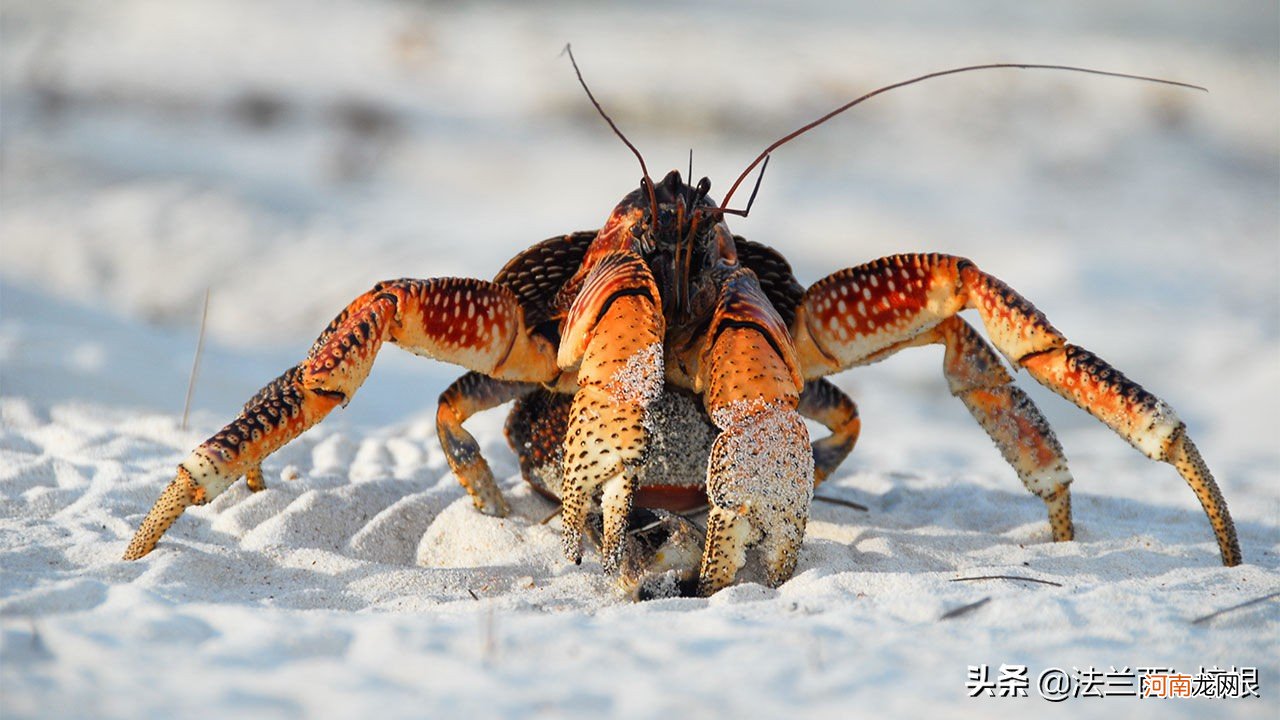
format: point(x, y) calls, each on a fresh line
point(472, 323)
point(860, 314)
point(468, 395)
point(824, 402)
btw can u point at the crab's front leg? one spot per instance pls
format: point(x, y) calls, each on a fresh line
point(613, 337)
point(761, 473)
point(475, 324)
point(866, 313)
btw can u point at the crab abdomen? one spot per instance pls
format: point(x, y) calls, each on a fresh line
point(672, 475)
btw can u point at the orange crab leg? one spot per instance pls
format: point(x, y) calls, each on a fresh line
point(1144, 420)
point(863, 314)
point(468, 395)
point(1010, 418)
point(472, 323)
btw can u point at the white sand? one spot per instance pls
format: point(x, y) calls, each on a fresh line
point(411, 140)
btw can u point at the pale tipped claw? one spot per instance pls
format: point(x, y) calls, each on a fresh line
point(760, 485)
point(616, 501)
point(181, 493)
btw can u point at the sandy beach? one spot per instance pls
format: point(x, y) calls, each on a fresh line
point(285, 158)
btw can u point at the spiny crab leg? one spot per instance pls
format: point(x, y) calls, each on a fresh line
point(278, 413)
point(421, 316)
point(865, 313)
point(1147, 422)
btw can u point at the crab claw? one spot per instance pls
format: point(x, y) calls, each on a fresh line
point(181, 493)
point(760, 484)
point(200, 479)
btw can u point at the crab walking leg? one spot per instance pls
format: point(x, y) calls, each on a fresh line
point(1025, 336)
point(472, 323)
point(1013, 421)
point(279, 413)
point(468, 395)
point(613, 337)
point(825, 403)
point(760, 475)
point(1146, 421)
point(862, 314)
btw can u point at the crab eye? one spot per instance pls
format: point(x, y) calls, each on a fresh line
point(704, 187)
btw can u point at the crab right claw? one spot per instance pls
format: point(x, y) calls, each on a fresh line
point(613, 340)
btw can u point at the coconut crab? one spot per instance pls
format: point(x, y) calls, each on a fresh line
point(662, 361)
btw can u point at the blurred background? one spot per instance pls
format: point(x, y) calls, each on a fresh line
point(287, 154)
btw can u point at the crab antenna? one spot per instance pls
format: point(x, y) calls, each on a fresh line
point(756, 189)
point(724, 204)
point(648, 182)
